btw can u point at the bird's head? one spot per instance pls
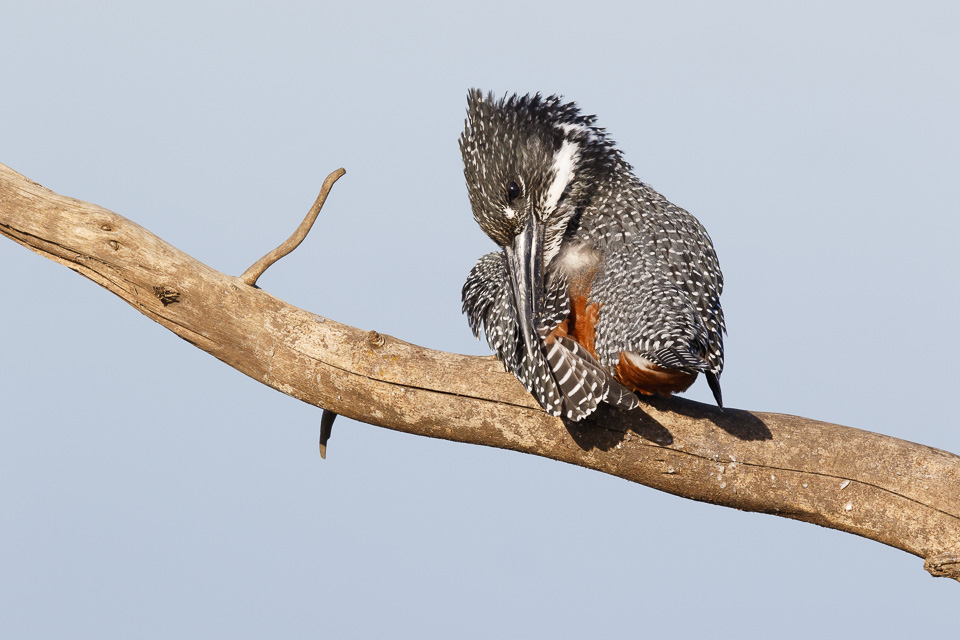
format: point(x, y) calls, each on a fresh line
point(531, 164)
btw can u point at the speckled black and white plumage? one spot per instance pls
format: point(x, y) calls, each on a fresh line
point(488, 303)
point(652, 267)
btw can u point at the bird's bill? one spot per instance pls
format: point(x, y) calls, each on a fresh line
point(525, 264)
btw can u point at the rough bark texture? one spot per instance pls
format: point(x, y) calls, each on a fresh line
point(899, 493)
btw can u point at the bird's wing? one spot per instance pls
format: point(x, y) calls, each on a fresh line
point(657, 309)
point(487, 304)
point(660, 255)
point(565, 380)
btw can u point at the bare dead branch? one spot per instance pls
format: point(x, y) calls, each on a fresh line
point(256, 270)
point(899, 493)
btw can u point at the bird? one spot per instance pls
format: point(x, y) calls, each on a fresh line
point(601, 288)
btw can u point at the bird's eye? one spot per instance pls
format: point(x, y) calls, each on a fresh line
point(513, 191)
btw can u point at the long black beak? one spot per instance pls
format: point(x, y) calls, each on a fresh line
point(525, 264)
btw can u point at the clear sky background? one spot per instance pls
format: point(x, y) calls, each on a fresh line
point(148, 490)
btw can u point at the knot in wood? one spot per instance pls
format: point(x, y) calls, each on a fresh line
point(375, 339)
point(166, 295)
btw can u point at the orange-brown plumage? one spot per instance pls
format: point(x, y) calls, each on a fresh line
point(580, 325)
point(632, 371)
point(648, 378)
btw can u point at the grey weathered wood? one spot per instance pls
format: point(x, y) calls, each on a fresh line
point(900, 493)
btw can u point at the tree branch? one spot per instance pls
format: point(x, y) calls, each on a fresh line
point(899, 493)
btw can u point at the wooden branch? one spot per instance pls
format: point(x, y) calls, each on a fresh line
point(899, 493)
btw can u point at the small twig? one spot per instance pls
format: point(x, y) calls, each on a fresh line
point(256, 270)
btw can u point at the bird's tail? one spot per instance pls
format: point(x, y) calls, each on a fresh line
point(570, 383)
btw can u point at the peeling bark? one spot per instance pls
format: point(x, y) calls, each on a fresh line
point(896, 492)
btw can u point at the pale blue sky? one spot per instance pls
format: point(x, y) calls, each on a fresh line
point(147, 490)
